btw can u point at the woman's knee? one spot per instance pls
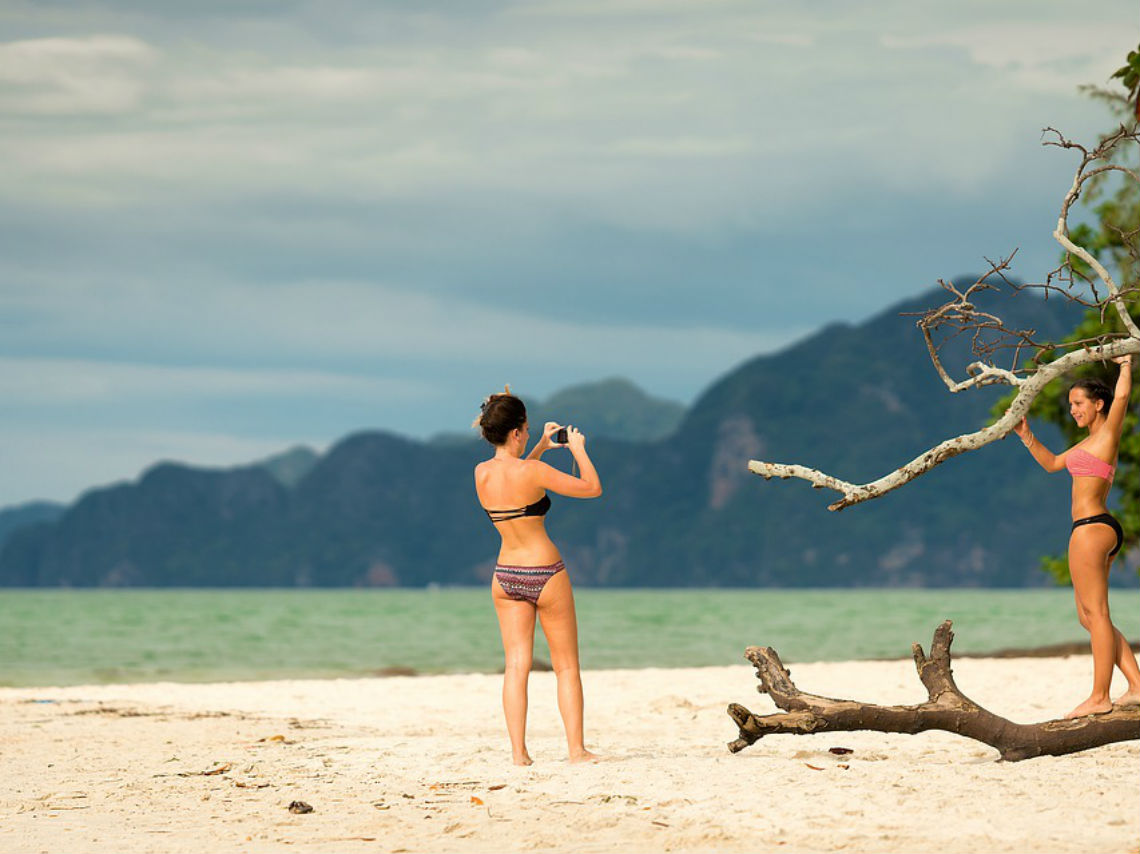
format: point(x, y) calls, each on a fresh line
point(517, 665)
point(1095, 617)
point(566, 669)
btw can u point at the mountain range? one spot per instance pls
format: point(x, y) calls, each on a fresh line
point(680, 508)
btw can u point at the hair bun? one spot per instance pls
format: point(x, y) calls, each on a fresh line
point(500, 413)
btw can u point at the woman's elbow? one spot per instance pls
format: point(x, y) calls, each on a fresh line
point(595, 491)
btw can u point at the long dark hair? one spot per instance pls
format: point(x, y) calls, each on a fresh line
point(502, 413)
point(1096, 390)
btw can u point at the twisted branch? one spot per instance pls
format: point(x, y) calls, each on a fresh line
point(946, 708)
point(991, 335)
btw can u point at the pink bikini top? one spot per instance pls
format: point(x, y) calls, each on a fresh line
point(1081, 463)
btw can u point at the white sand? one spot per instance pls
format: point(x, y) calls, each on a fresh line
point(422, 764)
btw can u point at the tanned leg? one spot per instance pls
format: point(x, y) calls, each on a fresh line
point(516, 624)
point(1126, 661)
point(560, 625)
point(1088, 552)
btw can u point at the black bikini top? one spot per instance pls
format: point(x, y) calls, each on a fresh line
point(539, 508)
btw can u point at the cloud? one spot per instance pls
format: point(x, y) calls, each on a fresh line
point(304, 219)
point(26, 382)
point(300, 325)
point(666, 118)
point(93, 75)
point(1045, 57)
point(682, 147)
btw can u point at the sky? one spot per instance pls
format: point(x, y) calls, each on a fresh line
point(227, 228)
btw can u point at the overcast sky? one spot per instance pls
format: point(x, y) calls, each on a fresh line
point(229, 227)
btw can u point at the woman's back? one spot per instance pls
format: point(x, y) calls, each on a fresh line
point(505, 483)
point(516, 504)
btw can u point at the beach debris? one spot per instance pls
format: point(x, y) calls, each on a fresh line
point(241, 784)
point(840, 751)
point(209, 772)
point(496, 787)
point(946, 708)
point(51, 801)
point(605, 799)
point(476, 801)
point(813, 767)
point(299, 808)
point(116, 712)
point(315, 723)
point(380, 805)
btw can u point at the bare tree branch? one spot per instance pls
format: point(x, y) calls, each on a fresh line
point(1028, 389)
point(990, 336)
point(1061, 232)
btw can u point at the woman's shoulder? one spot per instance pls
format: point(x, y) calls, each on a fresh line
point(508, 468)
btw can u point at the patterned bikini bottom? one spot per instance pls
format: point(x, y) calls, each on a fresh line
point(525, 583)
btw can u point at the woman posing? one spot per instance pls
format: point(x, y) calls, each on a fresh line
point(1097, 536)
point(530, 578)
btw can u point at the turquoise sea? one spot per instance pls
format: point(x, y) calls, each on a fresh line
point(73, 637)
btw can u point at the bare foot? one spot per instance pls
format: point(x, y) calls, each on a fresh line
point(584, 756)
point(523, 759)
point(1091, 707)
point(1131, 697)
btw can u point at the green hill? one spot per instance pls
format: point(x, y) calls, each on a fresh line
point(680, 507)
point(613, 408)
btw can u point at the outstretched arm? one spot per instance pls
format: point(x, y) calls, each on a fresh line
point(1045, 458)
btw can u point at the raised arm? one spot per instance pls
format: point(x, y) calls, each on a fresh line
point(1114, 421)
point(586, 485)
point(543, 444)
point(1045, 458)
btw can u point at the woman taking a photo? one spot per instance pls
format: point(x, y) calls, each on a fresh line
point(1096, 535)
point(530, 579)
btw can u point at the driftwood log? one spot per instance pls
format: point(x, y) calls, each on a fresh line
point(946, 709)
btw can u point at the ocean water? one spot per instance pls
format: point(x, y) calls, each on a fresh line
point(75, 637)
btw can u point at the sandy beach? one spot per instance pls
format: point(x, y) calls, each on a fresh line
point(421, 764)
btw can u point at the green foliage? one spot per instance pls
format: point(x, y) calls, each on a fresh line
point(1129, 76)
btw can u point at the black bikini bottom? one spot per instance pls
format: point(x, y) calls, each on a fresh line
point(1104, 519)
